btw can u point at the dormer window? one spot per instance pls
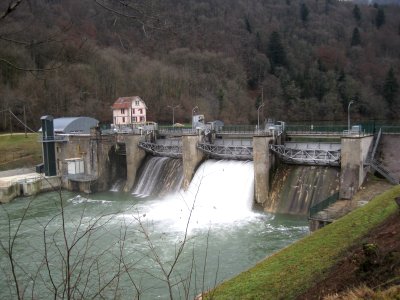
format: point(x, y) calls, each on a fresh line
point(137, 102)
point(122, 111)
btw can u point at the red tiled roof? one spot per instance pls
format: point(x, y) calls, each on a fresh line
point(125, 102)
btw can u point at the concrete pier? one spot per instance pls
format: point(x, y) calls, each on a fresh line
point(262, 167)
point(134, 158)
point(354, 153)
point(191, 157)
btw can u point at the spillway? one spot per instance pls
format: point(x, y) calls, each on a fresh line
point(296, 188)
point(159, 176)
point(220, 193)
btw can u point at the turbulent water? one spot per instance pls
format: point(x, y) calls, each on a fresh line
point(296, 188)
point(122, 246)
point(159, 176)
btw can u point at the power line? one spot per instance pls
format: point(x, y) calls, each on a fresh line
point(19, 120)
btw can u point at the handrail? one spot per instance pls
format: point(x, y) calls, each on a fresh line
point(377, 166)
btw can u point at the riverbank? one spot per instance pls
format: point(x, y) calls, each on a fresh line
point(292, 271)
point(18, 151)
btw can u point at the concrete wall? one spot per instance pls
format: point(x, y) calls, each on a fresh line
point(101, 163)
point(191, 157)
point(29, 187)
point(388, 153)
point(262, 167)
point(354, 152)
point(74, 147)
point(134, 158)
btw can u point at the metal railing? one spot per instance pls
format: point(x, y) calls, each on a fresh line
point(174, 151)
point(170, 130)
point(307, 156)
point(391, 129)
point(323, 205)
point(227, 152)
point(377, 166)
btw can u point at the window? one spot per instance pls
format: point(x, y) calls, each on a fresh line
point(137, 102)
point(142, 119)
point(140, 111)
point(134, 119)
point(122, 111)
point(123, 119)
point(133, 111)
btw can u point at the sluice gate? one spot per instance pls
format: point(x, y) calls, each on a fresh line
point(307, 156)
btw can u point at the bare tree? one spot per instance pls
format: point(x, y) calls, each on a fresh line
point(71, 263)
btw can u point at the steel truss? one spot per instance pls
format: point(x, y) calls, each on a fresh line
point(174, 151)
point(227, 152)
point(307, 156)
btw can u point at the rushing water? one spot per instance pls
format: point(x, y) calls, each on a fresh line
point(159, 176)
point(129, 245)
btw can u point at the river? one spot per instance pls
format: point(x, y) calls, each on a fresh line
point(118, 245)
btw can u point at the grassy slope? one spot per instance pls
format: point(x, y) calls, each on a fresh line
point(294, 269)
point(19, 151)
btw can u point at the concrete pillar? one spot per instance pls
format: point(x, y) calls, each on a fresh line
point(354, 152)
point(134, 158)
point(262, 166)
point(191, 157)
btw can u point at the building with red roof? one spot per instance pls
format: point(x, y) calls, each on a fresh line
point(129, 110)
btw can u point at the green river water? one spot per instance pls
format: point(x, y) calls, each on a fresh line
point(124, 247)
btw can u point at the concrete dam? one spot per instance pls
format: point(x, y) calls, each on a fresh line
point(289, 176)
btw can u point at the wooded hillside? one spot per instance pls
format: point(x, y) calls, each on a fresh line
point(305, 59)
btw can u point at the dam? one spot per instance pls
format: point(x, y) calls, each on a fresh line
point(146, 213)
point(292, 172)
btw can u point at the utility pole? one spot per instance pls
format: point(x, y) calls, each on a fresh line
point(173, 107)
point(11, 130)
point(26, 135)
point(348, 116)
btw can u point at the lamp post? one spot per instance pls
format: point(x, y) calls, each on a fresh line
point(173, 112)
point(258, 116)
point(193, 110)
point(258, 109)
point(348, 116)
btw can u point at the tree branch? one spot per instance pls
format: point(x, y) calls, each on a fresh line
point(11, 7)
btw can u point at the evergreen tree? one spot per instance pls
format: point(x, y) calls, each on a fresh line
point(390, 87)
point(304, 12)
point(380, 18)
point(357, 13)
point(355, 38)
point(276, 53)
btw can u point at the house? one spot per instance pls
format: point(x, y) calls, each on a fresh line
point(129, 110)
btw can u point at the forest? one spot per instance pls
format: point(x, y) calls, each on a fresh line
point(291, 60)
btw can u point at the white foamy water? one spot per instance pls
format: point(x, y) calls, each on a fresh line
point(220, 194)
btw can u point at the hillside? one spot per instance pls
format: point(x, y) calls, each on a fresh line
point(306, 60)
point(371, 264)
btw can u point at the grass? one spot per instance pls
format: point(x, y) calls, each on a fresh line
point(18, 151)
point(296, 268)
